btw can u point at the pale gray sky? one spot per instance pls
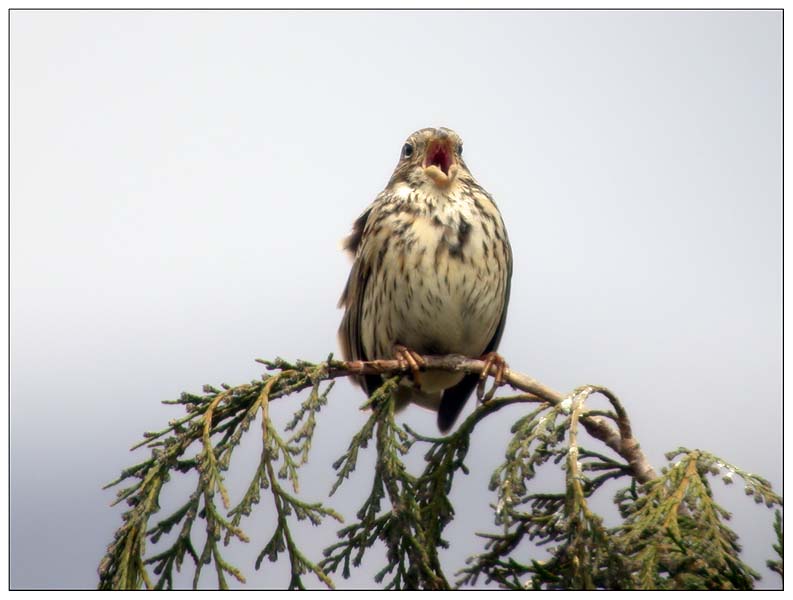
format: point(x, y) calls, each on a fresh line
point(180, 182)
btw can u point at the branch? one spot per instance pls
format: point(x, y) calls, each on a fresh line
point(622, 441)
point(673, 534)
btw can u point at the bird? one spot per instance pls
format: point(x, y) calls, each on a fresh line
point(431, 275)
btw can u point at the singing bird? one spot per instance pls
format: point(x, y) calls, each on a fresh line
point(431, 274)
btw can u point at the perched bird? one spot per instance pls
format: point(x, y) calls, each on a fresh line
point(431, 274)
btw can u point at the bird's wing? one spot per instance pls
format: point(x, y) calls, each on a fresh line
point(455, 397)
point(350, 336)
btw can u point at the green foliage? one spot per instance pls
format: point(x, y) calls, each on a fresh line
point(776, 565)
point(411, 540)
point(672, 534)
point(411, 527)
point(581, 548)
point(675, 534)
point(215, 423)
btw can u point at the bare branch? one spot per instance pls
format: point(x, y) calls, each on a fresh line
point(622, 442)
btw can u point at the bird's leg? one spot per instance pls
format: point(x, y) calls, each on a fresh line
point(492, 360)
point(409, 358)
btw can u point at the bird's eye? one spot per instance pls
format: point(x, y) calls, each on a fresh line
point(407, 150)
point(459, 149)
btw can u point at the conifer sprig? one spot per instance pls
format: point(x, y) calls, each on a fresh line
point(673, 533)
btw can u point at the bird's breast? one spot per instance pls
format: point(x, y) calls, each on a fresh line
point(442, 283)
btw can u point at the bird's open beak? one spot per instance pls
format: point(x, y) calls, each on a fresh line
point(439, 161)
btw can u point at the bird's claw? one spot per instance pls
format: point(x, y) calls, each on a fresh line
point(492, 360)
point(409, 359)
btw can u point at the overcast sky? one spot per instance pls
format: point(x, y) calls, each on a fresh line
point(180, 182)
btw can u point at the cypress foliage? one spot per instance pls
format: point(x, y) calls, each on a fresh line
point(673, 534)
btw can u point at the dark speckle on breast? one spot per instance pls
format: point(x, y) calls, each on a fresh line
point(463, 232)
point(463, 235)
point(464, 228)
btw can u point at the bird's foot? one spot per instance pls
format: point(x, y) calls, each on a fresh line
point(409, 359)
point(493, 360)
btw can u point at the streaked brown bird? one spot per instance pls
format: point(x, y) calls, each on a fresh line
point(431, 274)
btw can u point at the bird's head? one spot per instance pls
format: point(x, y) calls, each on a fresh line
point(431, 156)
